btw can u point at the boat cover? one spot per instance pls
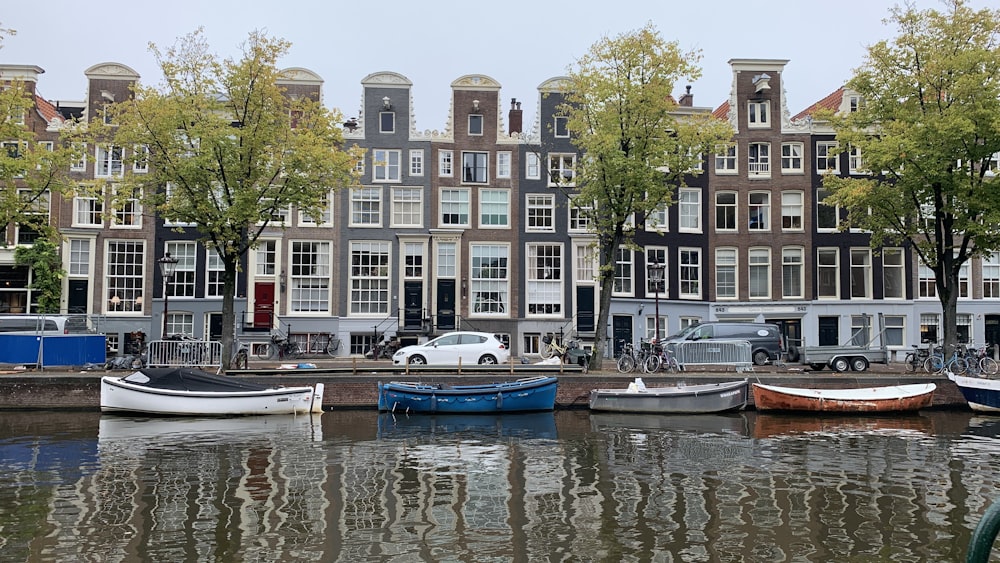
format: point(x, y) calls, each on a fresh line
point(189, 379)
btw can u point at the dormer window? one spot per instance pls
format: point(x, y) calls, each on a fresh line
point(475, 124)
point(759, 114)
point(387, 122)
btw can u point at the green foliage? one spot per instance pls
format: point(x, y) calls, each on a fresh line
point(47, 273)
point(230, 146)
point(927, 129)
point(638, 148)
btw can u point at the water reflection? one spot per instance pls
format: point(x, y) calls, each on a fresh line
point(359, 486)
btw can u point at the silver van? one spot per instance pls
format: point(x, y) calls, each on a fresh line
point(45, 325)
point(766, 343)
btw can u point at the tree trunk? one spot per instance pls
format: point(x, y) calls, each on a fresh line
point(228, 315)
point(607, 254)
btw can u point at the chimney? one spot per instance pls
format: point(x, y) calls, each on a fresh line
point(687, 100)
point(514, 118)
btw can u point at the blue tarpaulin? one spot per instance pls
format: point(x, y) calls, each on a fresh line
point(57, 350)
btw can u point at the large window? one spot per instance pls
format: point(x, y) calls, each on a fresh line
point(109, 161)
point(895, 328)
point(991, 276)
point(725, 161)
point(760, 211)
point(725, 273)
point(827, 216)
point(366, 207)
point(446, 162)
point(827, 160)
point(447, 260)
point(215, 269)
point(689, 209)
point(758, 114)
point(791, 158)
point(760, 273)
point(623, 272)
point(369, 277)
point(893, 273)
point(386, 165)
point(413, 260)
point(827, 273)
point(725, 211)
point(310, 277)
point(579, 216)
point(562, 169)
point(88, 209)
point(475, 166)
point(489, 279)
point(926, 282)
point(455, 207)
point(494, 208)
point(541, 212)
point(325, 208)
point(689, 261)
point(545, 285)
point(792, 272)
point(127, 206)
point(79, 257)
point(791, 211)
point(759, 159)
point(407, 207)
point(657, 255)
point(267, 257)
point(124, 275)
point(186, 254)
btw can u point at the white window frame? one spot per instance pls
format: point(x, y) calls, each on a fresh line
point(106, 165)
point(488, 200)
point(90, 208)
point(532, 166)
point(215, 271)
point(727, 265)
point(792, 211)
point(124, 278)
point(826, 154)
point(326, 216)
point(758, 114)
point(446, 163)
point(792, 155)
point(758, 160)
point(893, 273)
point(126, 212)
point(369, 279)
point(689, 273)
point(560, 127)
point(563, 167)
point(821, 195)
point(793, 272)
point(540, 213)
point(416, 162)
point(489, 280)
point(758, 266)
point(759, 206)
point(727, 164)
point(544, 267)
point(458, 200)
point(309, 277)
point(387, 166)
point(689, 210)
point(186, 269)
point(503, 164)
point(479, 121)
point(730, 212)
point(407, 207)
point(366, 206)
point(480, 167)
point(624, 283)
point(826, 267)
point(991, 276)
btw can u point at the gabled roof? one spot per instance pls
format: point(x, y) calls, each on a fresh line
point(722, 112)
point(47, 109)
point(831, 102)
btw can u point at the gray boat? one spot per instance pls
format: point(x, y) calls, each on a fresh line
point(680, 398)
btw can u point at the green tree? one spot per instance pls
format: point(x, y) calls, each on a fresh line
point(928, 129)
point(47, 273)
point(638, 148)
point(228, 148)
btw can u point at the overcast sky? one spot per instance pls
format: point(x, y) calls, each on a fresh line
point(519, 43)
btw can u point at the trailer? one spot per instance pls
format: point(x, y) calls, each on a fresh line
point(848, 356)
point(842, 358)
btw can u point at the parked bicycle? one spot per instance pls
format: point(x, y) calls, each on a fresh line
point(240, 358)
point(980, 361)
point(383, 348)
point(915, 360)
point(282, 346)
point(936, 362)
point(552, 348)
point(627, 359)
point(659, 358)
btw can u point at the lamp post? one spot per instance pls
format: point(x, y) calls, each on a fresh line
point(167, 267)
point(655, 273)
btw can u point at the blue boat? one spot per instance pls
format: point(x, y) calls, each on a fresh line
point(527, 394)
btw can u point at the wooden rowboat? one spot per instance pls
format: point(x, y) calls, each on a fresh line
point(892, 398)
point(527, 394)
point(677, 399)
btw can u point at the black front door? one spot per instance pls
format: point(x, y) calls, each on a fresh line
point(215, 326)
point(446, 305)
point(585, 308)
point(77, 300)
point(621, 332)
point(413, 305)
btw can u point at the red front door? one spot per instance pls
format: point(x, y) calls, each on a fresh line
point(263, 304)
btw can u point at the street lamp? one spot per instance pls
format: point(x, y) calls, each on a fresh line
point(655, 273)
point(167, 267)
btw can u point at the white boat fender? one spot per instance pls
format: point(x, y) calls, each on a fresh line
point(317, 401)
point(639, 385)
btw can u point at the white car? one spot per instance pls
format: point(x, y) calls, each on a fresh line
point(453, 348)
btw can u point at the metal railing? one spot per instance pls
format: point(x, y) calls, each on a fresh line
point(735, 353)
point(184, 353)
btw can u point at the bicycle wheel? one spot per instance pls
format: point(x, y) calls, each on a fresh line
point(652, 364)
point(910, 362)
point(671, 365)
point(626, 364)
point(273, 351)
point(547, 351)
point(933, 364)
point(989, 366)
point(333, 346)
point(958, 366)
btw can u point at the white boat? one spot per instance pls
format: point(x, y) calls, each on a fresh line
point(192, 392)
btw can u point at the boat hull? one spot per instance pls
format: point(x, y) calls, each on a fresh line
point(983, 395)
point(680, 399)
point(895, 398)
point(530, 394)
point(118, 396)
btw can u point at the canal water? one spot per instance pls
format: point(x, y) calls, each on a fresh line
point(567, 486)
